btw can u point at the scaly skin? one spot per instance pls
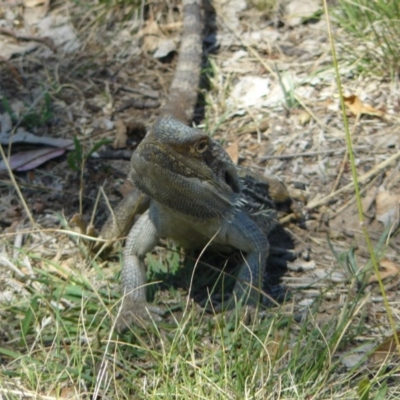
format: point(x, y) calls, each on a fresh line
point(193, 190)
point(196, 198)
point(183, 92)
point(180, 104)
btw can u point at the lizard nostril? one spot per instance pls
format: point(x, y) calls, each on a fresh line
point(231, 180)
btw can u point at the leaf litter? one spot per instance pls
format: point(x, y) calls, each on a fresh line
point(291, 108)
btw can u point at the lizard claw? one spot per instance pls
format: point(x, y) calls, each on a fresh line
point(139, 314)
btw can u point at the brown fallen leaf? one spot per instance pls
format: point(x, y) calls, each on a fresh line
point(390, 270)
point(304, 117)
point(39, 207)
point(67, 392)
point(165, 47)
point(152, 36)
point(120, 135)
point(387, 207)
point(27, 160)
point(34, 3)
point(233, 151)
point(80, 222)
point(385, 350)
point(357, 107)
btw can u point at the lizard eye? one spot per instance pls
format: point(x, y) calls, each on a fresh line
point(201, 146)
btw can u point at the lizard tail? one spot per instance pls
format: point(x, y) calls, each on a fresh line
point(183, 92)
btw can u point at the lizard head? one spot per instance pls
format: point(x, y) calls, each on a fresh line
point(184, 169)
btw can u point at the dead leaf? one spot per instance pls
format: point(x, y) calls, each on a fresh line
point(356, 355)
point(304, 117)
point(35, 11)
point(386, 349)
point(23, 136)
point(66, 392)
point(164, 48)
point(368, 201)
point(120, 135)
point(299, 11)
point(390, 270)
point(39, 207)
point(152, 36)
point(79, 221)
point(60, 31)
point(250, 91)
point(9, 47)
point(154, 40)
point(233, 151)
point(387, 207)
point(26, 160)
point(34, 3)
point(357, 107)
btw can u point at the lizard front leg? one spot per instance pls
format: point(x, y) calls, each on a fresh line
point(142, 238)
point(244, 234)
point(120, 222)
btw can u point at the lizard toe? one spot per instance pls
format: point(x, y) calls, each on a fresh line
point(138, 314)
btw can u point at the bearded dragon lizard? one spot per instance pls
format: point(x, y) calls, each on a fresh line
point(187, 189)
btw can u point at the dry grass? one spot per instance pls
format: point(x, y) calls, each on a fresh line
point(58, 302)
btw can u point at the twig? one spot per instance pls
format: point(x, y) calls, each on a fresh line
point(341, 171)
point(58, 230)
point(138, 104)
point(362, 179)
point(44, 40)
point(310, 153)
point(352, 200)
point(345, 158)
point(152, 94)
